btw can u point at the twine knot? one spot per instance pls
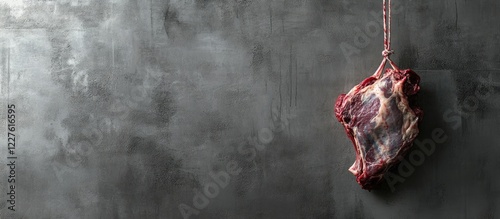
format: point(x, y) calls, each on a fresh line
point(387, 53)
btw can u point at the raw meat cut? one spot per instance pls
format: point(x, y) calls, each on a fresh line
point(380, 115)
point(381, 118)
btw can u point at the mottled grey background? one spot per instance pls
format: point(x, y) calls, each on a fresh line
point(125, 107)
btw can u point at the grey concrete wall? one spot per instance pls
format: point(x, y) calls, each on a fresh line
point(125, 108)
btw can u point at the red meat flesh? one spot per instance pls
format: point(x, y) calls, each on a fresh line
point(381, 118)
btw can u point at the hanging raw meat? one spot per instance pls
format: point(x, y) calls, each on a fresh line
point(380, 117)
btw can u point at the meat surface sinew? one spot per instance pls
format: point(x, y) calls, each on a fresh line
point(381, 118)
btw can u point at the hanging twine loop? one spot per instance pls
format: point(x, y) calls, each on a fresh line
point(386, 8)
point(387, 52)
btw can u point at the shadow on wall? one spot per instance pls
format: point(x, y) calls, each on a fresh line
point(442, 120)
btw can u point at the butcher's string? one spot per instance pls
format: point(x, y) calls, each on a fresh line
point(387, 29)
point(387, 52)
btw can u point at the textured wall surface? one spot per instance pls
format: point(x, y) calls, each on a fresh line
point(127, 108)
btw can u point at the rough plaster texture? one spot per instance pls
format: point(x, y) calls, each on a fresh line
point(125, 107)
